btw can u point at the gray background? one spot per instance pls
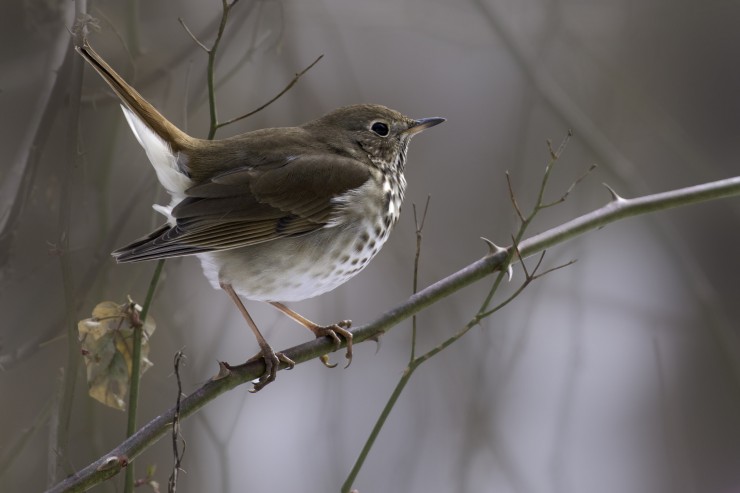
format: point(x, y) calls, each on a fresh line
point(619, 373)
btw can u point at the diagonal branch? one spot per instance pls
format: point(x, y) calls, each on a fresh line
point(274, 98)
point(111, 464)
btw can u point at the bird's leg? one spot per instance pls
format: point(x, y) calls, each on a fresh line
point(321, 331)
point(272, 359)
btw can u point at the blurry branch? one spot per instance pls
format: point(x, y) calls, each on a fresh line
point(14, 448)
point(618, 208)
point(561, 103)
point(215, 124)
point(59, 434)
point(96, 265)
point(19, 174)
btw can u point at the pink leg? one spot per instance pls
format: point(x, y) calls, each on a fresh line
point(321, 331)
point(272, 359)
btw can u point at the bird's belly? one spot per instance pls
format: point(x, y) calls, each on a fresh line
point(296, 268)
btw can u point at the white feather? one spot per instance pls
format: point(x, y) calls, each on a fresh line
point(164, 161)
point(161, 156)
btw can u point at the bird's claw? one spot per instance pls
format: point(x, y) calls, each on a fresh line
point(333, 332)
point(272, 365)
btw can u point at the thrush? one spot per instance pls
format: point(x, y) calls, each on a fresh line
point(278, 214)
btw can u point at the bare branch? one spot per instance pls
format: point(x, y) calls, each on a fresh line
point(190, 33)
point(275, 98)
point(513, 198)
point(176, 437)
point(557, 267)
point(111, 464)
point(570, 188)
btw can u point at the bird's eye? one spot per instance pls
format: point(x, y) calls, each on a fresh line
point(380, 128)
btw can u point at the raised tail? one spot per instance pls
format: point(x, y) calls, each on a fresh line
point(161, 139)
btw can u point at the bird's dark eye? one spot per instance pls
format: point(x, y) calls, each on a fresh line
point(380, 128)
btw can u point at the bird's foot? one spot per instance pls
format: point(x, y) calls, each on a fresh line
point(272, 364)
point(334, 331)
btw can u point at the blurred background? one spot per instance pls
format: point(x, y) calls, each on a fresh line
point(618, 373)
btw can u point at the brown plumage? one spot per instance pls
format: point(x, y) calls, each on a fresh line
point(278, 214)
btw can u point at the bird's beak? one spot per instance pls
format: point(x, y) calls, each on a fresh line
point(423, 124)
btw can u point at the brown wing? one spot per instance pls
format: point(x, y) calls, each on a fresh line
point(250, 205)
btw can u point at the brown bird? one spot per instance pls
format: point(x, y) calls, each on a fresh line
point(278, 214)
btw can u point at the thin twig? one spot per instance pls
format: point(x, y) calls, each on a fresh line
point(275, 98)
point(226, 8)
point(512, 197)
point(193, 36)
point(419, 228)
point(405, 377)
point(570, 188)
point(176, 437)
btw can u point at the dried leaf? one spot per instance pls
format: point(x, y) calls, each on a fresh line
point(107, 346)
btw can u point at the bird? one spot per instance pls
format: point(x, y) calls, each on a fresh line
point(278, 214)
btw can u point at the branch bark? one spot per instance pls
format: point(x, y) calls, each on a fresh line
point(618, 208)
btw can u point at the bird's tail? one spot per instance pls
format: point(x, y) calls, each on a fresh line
point(161, 139)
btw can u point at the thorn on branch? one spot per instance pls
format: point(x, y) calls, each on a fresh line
point(224, 370)
point(615, 196)
point(376, 339)
point(493, 249)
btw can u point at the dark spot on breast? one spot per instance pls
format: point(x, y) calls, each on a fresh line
point(365, 236)
point(354, 261)
point(378, 229)
point(387, 221)
point(344, 259)
point(372, 245)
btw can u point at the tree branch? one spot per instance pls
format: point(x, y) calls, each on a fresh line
point(619, 208)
